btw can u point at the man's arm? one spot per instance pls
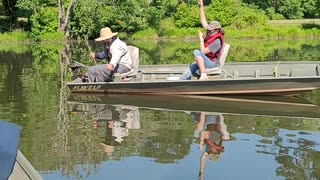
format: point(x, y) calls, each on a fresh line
point(98, 56)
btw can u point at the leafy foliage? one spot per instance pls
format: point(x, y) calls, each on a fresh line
point(272, 15)
point(187, 16)
point(9, 7)
point(131, 16)
point(247, 17)
point(83, 17)
point(291, 9)
point(223, 11)
point(44, 22)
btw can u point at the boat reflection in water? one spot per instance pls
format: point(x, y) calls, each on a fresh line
point(118, 120)
point(178, 137)
point(284, 106)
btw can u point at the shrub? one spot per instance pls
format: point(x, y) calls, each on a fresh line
point(248, 16)
point(149, 32)
point(167, 27)
point(45, 21)
point(272, 15)
point(187, 16)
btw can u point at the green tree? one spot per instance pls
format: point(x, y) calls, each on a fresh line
point(310, 8)
point(9, 7)
point(224, 11)
point(83, 18)
point(64, 16)
point(42, 16)
point(272, 15)
point(159, 10)
point(291, 9)
point(44, 21)
point(187, 16)
point(122, 16)
point(249, 16)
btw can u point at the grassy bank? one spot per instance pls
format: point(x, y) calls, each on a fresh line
point(16, 36)
point(276, 29)
point(306, 28)
point(23, 36)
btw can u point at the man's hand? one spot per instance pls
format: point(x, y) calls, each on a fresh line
point(92, 56)
point(109, 67)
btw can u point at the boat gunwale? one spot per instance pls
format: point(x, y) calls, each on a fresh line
point(195, 81)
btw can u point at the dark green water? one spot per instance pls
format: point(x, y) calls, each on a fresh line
point(62, 140)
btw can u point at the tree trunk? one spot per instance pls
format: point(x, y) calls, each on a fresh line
point(10, 9)
point(64, 17)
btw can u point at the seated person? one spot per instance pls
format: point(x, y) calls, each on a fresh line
point(117, 55)
point(210, 48)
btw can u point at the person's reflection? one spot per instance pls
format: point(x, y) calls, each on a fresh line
point(100, 114)
point(118, 120)
point(109, 142)
point(212, 131)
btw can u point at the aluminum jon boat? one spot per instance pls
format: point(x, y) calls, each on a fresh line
point(246, 78)
point(250, 78)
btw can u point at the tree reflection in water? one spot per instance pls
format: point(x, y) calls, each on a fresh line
point(33, 95)
point(168, 136)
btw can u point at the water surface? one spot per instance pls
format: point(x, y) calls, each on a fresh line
point(67, 142)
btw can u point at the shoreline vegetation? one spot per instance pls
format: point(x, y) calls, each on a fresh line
point(273, 29)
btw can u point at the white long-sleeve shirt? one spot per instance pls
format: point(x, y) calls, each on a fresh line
point(119, 54)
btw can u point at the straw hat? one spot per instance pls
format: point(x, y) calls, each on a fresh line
point(106, 33)
point(107, 148)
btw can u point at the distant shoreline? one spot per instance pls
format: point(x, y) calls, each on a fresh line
point(273, 29)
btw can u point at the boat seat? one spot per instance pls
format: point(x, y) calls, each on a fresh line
point(134, 54)
point(301, 72)
point(222, 60)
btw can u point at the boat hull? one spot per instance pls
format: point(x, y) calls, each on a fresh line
point(280, 86)
point(259, 78)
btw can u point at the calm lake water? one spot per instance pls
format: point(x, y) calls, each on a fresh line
point(66, 139)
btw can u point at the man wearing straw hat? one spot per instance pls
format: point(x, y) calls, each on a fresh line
point(116, 53)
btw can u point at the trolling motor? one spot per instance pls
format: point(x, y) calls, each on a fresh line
point(75, 67)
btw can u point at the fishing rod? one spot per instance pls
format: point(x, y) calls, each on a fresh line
point(87, 43)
